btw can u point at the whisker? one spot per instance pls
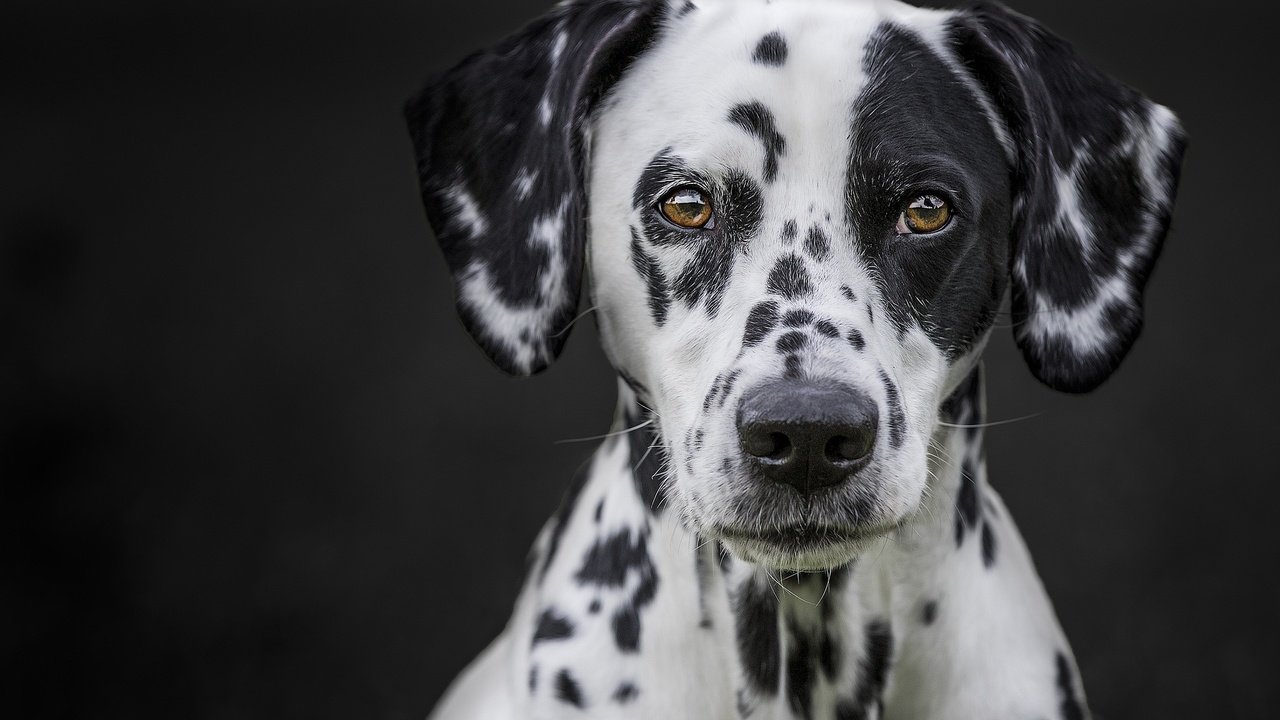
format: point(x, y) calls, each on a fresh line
point(606, 435)
point(993, 423)
point(574, 321)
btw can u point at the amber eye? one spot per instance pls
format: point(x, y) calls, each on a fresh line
point(687, 207)
point(925, 214)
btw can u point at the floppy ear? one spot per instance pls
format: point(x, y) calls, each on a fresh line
point(1094, 175)
point(500, 141)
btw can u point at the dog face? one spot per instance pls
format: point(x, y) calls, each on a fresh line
point(799, 220)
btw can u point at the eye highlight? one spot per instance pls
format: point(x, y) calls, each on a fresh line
point(687, 207)
point(926, 214)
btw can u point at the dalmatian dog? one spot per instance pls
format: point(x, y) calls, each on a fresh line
point(798, 220)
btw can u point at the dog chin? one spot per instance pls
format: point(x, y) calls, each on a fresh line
point(803, 549)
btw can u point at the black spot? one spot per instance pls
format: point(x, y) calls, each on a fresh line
point(929, 612)
point(567, 689)
point(873, 671)
point(599, 510)
point(800, 662)
point(771, 50)
point(533, 679)
point(552, 626)
point(760, 322)
point(758, 643)
point(642, 392)
point(817, 244)
point(1071, 706)
point(829, 654)
point(792, 342)
point(848, 293)
point(594, 607)
point(796, 318)
point(608, 564)
point(626, 628)
point(725, 391)
point(966, 501)
point(655, 280)
point(897, 420)
point(723, 557)
point(756, 119)
point(789, 278)
point(858, 342)
point(789, 231)
point(685, 9)
point(647, 457)
point(826, 327)
point(988, 545)
point(625, 693)
point(793, 370)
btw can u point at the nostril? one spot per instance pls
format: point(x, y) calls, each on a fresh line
point(768, 445)
point(847, 448)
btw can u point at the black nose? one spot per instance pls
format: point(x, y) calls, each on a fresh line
point(805, 433)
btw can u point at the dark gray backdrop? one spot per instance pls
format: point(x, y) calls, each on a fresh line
point(253, 467)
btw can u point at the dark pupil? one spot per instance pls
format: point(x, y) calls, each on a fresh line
point(688, 205)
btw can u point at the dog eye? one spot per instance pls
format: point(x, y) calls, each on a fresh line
point(687, 207)
point(926, 214)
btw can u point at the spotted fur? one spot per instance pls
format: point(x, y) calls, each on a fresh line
point(675, 581)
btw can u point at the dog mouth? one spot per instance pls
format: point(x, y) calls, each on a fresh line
point(802, 547)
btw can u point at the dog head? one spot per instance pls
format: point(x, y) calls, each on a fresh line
point(799, 219)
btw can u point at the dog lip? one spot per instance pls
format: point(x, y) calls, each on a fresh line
point(802, 536)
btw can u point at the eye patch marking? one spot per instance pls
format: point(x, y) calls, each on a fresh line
point(792, 342)
point(796, 318)
point(789, 278)
point(897, 420)
point(654, 279)
point(706, 276)
point(858, 342)
point(817, 244)
point(827, 328)
point(756, 119)
point(771, 50)
point(760, 322)
point(789, 231)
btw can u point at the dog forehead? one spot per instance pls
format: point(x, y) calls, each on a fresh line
point(801, 61)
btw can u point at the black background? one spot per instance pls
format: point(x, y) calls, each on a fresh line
point(253, 467)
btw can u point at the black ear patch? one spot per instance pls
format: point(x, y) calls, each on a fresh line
point(499, 142)
point(1095, 172)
